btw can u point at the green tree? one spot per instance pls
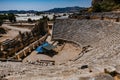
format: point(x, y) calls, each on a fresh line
point(45, 18)
point(1, 22)
point(97, 7)
point(39, 13)
point(64, 14)
point(30, 20)
point(106, 5)
point(117, 1)
point(54, 17)
point(3, 16)
point(11, 17)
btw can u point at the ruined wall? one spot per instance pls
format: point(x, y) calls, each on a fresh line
point(10, 47)
point(109, 16)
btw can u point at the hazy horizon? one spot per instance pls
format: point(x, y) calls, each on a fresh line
point(41, 5)
point(41, 10)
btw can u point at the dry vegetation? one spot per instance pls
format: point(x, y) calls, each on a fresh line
point(105, 5)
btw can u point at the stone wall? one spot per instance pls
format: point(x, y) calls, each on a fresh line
point(109, 16)
point(10, 47)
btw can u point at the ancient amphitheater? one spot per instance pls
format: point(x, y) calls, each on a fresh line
point(98, 59)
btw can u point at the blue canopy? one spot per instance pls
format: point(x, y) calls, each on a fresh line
point(44, 47)
point(40, 48)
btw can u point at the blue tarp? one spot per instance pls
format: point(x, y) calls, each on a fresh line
point(40, 48)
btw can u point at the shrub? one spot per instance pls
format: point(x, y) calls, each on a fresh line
point(106, 5)
point(2, 31)
point(1, 22)
point(97, 8)
point(29, 20)
point(11, 17)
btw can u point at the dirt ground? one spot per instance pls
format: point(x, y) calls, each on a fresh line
point(65, 53)
point(10, 35)
point(12, 32)
point(16, 28)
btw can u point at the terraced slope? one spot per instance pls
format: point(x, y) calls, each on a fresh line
point(103, 53)
point(84, 32)
point(102, 36)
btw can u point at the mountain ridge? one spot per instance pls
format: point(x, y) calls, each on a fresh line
point(54, 10)
point(66, 9)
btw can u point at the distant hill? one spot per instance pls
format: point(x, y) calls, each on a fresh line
point(66, 9)
point(55, 10)
point(18, 11)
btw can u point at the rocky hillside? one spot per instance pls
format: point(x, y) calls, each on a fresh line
point(99, 1)
point(96, 1)
point(105, 5)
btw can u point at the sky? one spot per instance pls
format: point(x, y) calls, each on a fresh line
point(41, 5)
